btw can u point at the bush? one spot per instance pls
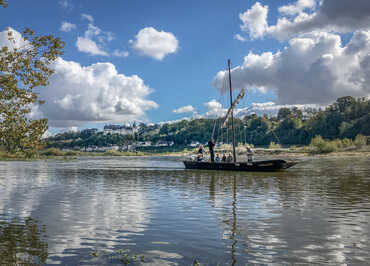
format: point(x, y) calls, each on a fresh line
point(73, 153)
point(360, 141)
point(347, 143)
point(112, 153)
point(319, 145)
point(124, 153)
point(52, 152)
point(274, 145)
point(337, 143)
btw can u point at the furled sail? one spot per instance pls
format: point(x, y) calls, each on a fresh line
point(235, 103)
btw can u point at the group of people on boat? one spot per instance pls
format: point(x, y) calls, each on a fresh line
point(218, 159)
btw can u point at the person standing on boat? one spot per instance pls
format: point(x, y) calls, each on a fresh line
point(249, 154)
point(211, 145)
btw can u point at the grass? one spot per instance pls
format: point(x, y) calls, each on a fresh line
point(122, 153)
point(274, 145)
point(52, 153)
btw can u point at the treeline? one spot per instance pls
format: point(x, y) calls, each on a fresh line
point(87, 138)
point(347, 117)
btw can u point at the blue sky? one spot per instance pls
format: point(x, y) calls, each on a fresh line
point(201, 37)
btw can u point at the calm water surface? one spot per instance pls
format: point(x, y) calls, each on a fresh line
point(94, 211)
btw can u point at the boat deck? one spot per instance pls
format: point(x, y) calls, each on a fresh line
point(256, 166)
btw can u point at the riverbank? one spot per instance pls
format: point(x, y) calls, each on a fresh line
point(289, 152)
point(54, 153)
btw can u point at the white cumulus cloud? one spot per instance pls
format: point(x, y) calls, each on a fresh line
point(271, 108)
point(313, 68)
point(94, 93)
point(89, 46)
point(297, 7)
point(340, 16)
point(94, 41)
point(184, 109)
point(255, 20)
point(214, 109)
point(239, 38)
point(67, 26)
point(65, 4)
point(156, 44)
point(119, 53)
point(87, 17)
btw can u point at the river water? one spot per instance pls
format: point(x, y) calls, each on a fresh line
point(96, 211)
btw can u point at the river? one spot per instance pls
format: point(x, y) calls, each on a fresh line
point(98, 211)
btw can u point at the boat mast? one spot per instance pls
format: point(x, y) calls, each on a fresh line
point(232, 111)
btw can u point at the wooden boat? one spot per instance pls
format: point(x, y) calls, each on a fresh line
point(259, 166)
point(256, 166)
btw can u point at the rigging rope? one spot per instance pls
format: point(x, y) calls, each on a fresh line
point(214, 127)
point(219, 101)
point(240, 134)
point(276, 136)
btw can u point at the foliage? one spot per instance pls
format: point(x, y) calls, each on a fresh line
point(319, 145)
point(22, 69)
point(274, 145)
point(51, 152)
point(126, 257)
point(3, 3)
point(339, 123)
point(21, 243)
point(360, 141)
point(118, 153)
point(283, 113)
point(346, 143)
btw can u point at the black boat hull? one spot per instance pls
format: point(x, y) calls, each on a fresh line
point(257, 166)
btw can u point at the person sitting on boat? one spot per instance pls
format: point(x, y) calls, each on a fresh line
point(229, 158)
point(249, 154)
point(211, 145)
point(223, 158)
point(200, 150)
point(200, 157)
point(217, 159)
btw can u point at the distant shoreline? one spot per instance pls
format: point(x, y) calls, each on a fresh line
point(287, 153)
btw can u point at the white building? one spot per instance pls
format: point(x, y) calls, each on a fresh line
point(143, 144)
point(118, 129)
point(194, 144)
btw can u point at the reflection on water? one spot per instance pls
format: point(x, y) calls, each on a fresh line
point(20, 243)
point(89, 209)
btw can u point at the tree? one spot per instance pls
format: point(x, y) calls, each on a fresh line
point(297, 113)
point(343, 103)
point(22, 69)
point(283, 113)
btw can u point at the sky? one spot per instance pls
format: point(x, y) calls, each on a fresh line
point(155, 61)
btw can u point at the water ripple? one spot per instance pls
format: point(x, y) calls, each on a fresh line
point(95, 211)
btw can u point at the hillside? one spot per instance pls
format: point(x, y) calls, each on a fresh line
point(345, 118)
